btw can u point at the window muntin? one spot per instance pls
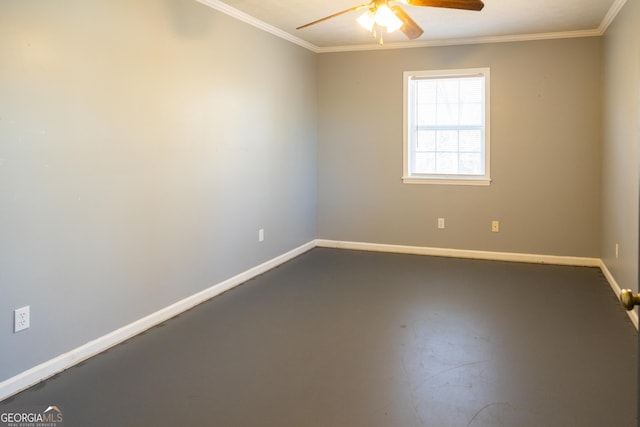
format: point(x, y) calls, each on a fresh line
point(447, 126)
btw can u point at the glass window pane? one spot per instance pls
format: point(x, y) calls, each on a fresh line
point(448, 91)
point(426, 91)
point(471, 89)
point(448, 115)
point(426, 140)
point(425, 163)
point(447, 140)
point(427, 115)
point(447, 163)
point(470, 141)
point(470, 164)
point(471, 114)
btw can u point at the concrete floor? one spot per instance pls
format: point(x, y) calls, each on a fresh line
point(349, 338)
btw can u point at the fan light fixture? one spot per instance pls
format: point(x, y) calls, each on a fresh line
point(382, 16)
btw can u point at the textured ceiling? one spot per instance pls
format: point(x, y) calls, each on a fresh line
point(500, 19)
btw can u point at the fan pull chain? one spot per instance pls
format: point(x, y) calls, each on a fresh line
point(374, 34)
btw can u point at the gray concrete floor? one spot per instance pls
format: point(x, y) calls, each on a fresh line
point(349, 338)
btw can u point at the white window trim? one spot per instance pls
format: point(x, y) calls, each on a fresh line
point(409, 178)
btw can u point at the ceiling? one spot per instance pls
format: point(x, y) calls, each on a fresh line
point(500, 20)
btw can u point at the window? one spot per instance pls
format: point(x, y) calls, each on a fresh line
point(446, 127)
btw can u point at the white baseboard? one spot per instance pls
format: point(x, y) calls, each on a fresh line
point(64, 361)
point(462, 253)
point(494, 256)
point(58, 364)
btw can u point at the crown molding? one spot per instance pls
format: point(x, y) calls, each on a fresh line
point(246, 18)
point(611, 15)
point(464, 41)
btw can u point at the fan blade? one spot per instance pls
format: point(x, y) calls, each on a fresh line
point(333, 16)
point(409, 26)
point(451, 4)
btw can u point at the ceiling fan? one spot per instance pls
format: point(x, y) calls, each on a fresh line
point(385, 13)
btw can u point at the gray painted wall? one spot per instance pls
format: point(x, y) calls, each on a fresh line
point(142, 145)
point(620, 145)
point(545, 151)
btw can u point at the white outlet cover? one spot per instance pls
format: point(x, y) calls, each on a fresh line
point(21, 319)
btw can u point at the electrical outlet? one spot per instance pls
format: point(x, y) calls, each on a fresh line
point(21, 319)
point(495, 226)
point(261, 235)
point(440, 222)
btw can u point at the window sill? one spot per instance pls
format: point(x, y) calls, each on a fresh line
point(446, 180)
